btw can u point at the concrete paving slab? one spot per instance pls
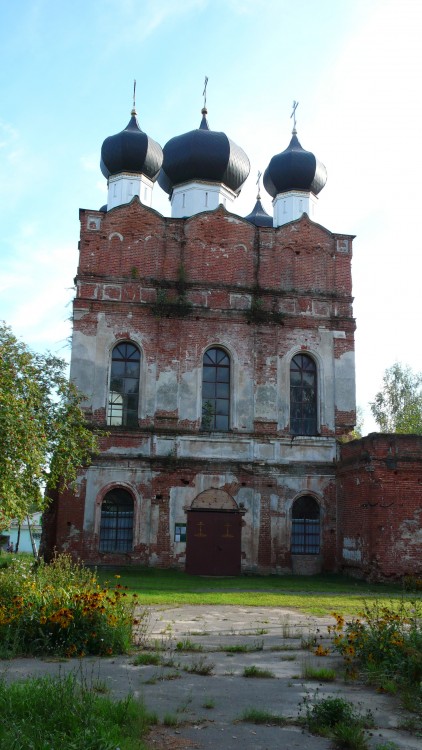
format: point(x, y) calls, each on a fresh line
point(208, 707)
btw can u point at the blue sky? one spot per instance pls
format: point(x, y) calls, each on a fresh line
point(67, 71)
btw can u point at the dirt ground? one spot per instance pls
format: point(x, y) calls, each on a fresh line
point(199, 691)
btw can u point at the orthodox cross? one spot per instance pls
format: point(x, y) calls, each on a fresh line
point(257, 182)
point(204, 93)
point(295, 105)
point(134, 93)
point(200, 529)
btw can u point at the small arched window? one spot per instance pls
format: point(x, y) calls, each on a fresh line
point(305, 526)
point(216, 390)
point(116, 528)
point(124, 385)
point(303, 396)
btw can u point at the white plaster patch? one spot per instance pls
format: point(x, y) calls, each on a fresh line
point(204, 447)
point(350, 554)
point(351, 549)
point(274, 501)
point(344, 369)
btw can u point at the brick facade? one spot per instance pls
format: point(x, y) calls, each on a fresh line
point(175, 288)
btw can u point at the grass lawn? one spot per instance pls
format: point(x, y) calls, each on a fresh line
point(317, 595)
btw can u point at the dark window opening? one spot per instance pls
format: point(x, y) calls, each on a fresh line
point(124, 386)
point(303, 395)
point(180, 532)
point(305, 526)
point(216, 390)
point(116, 528)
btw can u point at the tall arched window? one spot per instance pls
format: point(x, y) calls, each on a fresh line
point(305, 526)
point(303, 395)
point(124, 385)
point(116, 528)
point(216, 390)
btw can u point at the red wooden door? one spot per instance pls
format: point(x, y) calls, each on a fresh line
point(213, 543)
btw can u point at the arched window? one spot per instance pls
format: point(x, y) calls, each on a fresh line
point(116, 528)
point(305, 526)
point(124, 385)
point(303, 395)
point(216, 390)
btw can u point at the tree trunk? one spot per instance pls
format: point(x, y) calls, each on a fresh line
point(31, 536)
point(18, 538)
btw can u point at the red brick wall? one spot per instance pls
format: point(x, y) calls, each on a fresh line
point(216, 248)
point(295, 269)
point(380, 506)
point(300, 269)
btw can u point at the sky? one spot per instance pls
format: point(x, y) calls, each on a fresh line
point(354, 66)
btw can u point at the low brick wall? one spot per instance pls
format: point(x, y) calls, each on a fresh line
point(380, 506)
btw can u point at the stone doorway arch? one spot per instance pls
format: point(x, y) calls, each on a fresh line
point(213, 539)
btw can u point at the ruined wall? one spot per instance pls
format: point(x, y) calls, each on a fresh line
point(264, 294)
point(380, 506)
point(175, 287)
point(165, 489)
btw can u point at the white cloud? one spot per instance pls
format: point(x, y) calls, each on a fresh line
point(35, 284)
point(90, 162)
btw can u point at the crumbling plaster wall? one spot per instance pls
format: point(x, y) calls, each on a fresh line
point(299, 275)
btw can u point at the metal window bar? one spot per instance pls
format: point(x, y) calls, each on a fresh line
point(124, 386)
point(303, 396)
point(216, 390)
point(116, 529)
point(305, 536)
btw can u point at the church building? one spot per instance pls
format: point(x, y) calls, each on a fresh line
point(217, 353)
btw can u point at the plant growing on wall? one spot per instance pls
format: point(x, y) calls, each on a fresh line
point(258, 314)
point(165, 307)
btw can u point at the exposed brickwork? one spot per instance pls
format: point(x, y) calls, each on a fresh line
point(178, 286)
point(380, 506)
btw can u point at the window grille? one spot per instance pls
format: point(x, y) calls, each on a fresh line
point(306, 530)
point(216, 390)
point(124, 386)
point(303, 395)
point(116, 529)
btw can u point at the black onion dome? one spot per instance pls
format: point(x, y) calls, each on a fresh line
point(294, 169)
point(205, 155)
point(132, 150)
point(259, 216)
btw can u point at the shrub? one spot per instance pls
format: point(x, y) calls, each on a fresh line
point(338, 719)
point(386, 642)
point(61, 609)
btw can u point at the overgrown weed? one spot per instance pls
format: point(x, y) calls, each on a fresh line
point(60, 609)
point(337, 719)
point(258, 672)
point(385, 644)
point(33, 716)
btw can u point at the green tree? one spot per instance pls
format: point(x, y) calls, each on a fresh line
point(44, 437)
point(397, 407)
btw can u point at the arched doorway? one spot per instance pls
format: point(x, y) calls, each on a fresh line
point(213, 539)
